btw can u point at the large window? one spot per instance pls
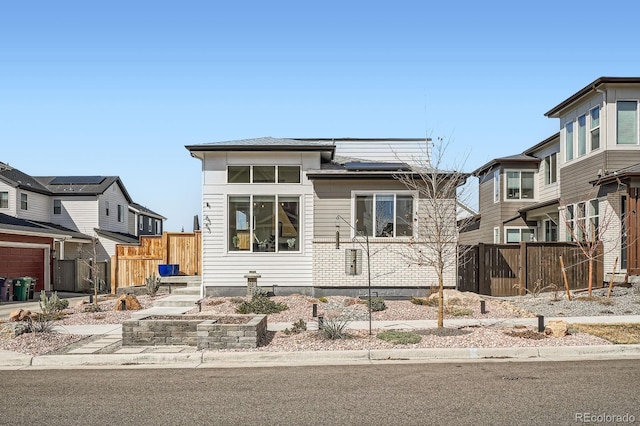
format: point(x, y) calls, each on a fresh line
point(550, 230)
point(520, 185)
point(264, 223)
point(568, 141)
point(496, 186)
point(627, 123)
point(4, 200)
point(582, 135)
point(594, 128)
point(57, 207)
point(583, 221)
point(24, 202)
point(516, 235)
point(384, 215)
point(263, 174)
point(551, 169)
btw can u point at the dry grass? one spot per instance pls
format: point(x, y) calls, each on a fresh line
point(619, 334)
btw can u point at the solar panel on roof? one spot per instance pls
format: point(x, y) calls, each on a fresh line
point(375, 166)
point(77, 180)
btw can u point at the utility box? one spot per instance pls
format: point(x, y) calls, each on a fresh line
point(252, 282)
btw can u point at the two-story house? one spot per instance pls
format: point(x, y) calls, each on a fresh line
point(64, 212)
point(582, 180)
point(143, 221)
point(299, 212)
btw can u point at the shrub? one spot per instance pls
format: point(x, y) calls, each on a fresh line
point(298, 327)
point(260, 304)
point(322, 300)
point(41, 322)
point(376, 304)
point(425, 302)
point(459, 312)
point(93, 307)
point(399, 337)
point(153, 284)
point(52, 304)
point(334, 327)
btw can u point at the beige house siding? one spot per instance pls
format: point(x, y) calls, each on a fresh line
point(575, 178)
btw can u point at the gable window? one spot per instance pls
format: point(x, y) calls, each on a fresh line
point(568, 141)
point(264, 223)
point(594, 128)
point(106, 208)
point(496, 186)
point(516, 235)
point(120, 213)
point(627, 123)
point(24, 205)
point(157, 227)
point(520, 185)
point(384, 215)
point(551, 169)
point(4, 200)
point(550, 230)
point(150, 223)
point(141, 225)
point(57, 207)
point(582, 135)
point(263, 174)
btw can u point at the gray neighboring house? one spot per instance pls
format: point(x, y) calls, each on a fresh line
point(275, 206)
point(144, 221)
point(587, 172)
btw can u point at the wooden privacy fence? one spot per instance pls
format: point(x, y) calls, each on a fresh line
point(512, 269)
point(133, 263)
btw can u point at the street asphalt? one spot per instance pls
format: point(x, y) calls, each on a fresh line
point(87, 356)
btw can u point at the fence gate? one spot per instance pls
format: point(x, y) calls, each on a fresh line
point(64, 276)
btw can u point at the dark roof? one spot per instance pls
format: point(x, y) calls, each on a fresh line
point(67, 231)
point(81, 185)
point(622, 174)
point(539, 205)
point(143, 210)
point(10, 223)
point(591, 87)
point(18, 179)
point(120, 237)
point(541, 144)
point(265, 144)
point(518, 158)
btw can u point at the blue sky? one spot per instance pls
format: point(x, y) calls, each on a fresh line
point(119, 88)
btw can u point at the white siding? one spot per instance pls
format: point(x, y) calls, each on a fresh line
point(411, 152)
point(223, 268)
point(79, 213)
point(12, 194)
point(115, 197)
point(37, 206)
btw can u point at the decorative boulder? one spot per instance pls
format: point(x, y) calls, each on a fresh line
point(130, 301)
point(11, 330)
point(457, 298)
point(19, 315)
point(556, 329)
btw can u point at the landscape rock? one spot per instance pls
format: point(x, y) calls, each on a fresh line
point(131, 303)
point(19, 315)
point(11, 330)
point(457, 298)
point(81, 302)
point(556, 329)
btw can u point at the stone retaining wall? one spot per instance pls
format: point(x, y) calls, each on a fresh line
point(203, 333)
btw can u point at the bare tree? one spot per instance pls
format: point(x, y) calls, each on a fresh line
point(93, 275)
point(434, 242)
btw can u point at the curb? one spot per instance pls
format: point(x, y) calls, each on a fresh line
point(109, 360)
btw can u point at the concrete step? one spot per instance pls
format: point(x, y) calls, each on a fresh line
point(186, 291)
point(178, 301)
point(188, 280)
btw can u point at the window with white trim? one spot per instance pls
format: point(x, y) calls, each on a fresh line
point(57, 207)
point(496, 186)
point(4, 200)
point(106, 208)
point(157, 227)
point(517, 235)
point(520, 185)
point(384, 215)
point(570, 221)
point(594, 128)
point(263, 174)
point(582, 135)
point(551, 168)
point(496, 235)
point(583, 220)
point(141, 225)
point(149, 224)
point(568, 141)
point(120, 213)
point(263, 223)
point(550, 230)
point(24, 201)
point(627, 123)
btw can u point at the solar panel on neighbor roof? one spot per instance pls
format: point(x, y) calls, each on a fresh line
point(77, 180)
point(375, 166)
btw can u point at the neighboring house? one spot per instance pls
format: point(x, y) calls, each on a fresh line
point(143, 221)
point(80, 206)
point(275, 206)
point(586, 173)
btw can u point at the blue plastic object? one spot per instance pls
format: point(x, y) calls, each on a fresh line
point(168, 270)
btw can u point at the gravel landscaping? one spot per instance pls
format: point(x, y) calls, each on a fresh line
point(624, 301)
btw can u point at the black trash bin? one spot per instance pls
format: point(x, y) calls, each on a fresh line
point(4, 289)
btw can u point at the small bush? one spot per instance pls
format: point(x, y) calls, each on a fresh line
point(153, 284)
point(52, 304)
point(41, 322)
point(399, 337)
point(377, 304)
point(260, 304)
point(334, 327)
point(93, 307)
point(322, 300)
point(298, 327)
point(425, 302)
point(237, 300)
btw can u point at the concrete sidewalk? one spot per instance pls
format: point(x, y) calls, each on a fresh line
point(91, 354)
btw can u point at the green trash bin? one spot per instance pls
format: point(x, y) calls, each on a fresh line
point(21, 288)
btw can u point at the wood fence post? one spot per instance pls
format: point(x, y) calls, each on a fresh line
point(522, 268)
point(114, 273)
point(481, 272)
point(165, 247)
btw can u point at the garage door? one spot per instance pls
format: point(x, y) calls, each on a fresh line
point(23, 262)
